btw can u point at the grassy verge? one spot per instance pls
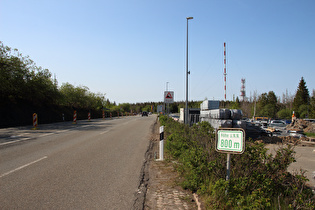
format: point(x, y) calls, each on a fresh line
point(258, 180)
point(310, 134)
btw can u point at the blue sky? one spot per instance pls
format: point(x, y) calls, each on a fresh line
point(130, 49)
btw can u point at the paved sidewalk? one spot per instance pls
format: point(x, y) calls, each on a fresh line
point(162, 192)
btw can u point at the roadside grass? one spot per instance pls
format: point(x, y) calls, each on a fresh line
point(258, 180)
point(310, 134)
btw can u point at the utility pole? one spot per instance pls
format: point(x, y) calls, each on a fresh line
point(187, 73)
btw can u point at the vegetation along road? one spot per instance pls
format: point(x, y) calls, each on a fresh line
point(91, 165)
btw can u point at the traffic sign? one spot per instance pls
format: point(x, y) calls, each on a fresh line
point(168, 97)
point(230, 140)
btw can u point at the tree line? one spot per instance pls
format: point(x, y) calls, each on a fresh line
point(269, 105)
point(27, 88)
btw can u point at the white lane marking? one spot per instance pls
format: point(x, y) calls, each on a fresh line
point(47, 134)
point(104, 132)
point(21, 167)
point(11, 142)
point(84, 126)
point(125, 123)
point(17, 136)
point(62, 131)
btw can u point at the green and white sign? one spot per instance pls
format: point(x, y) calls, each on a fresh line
point(230, 141)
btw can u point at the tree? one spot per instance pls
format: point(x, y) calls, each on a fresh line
point(272, 98)
point(267, 105)
point(125, 107)
point(22, 81)
point(284, 114)
point(235, 105)
point(74, 96)
point(303, 111)
point(302, 96)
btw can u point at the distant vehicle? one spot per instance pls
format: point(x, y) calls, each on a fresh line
point(175, 117)
point(144, 114)
point(288, 121)
point(277, 123)
point(310, 120)
point(297, 134)
point(260, 120)
point(264, 125)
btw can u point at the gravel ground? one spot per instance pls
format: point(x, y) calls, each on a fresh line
point(305, 159)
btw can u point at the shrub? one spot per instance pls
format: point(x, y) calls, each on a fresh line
point(258, 180)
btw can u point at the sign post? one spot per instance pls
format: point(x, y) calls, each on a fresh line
point(161, 143)
point(230, 141)
point(160, 109)
point(168, 99)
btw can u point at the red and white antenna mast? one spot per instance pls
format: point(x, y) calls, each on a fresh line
point(224, 72)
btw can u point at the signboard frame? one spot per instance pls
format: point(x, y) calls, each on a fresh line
point(167, 99)
point(160, 108)
point(231, 136)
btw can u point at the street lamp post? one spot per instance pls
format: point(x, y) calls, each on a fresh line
point(187, 72)
point(168, 105)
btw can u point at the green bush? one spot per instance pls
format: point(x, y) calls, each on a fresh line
point(310, 134)
point(257, 180)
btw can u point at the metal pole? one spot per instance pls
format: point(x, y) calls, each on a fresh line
point(228, 162)
point(224, 73)
point(187, 72)
point(168, 105)
point(228, 166)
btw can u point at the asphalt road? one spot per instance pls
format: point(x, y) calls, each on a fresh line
point(91, 165)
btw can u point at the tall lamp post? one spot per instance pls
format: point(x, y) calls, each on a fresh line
point(168, 105)
point(187, 72)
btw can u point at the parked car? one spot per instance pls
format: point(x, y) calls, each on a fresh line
point(295, 133)
point(175, 117)
point(277, 123)
point(144, 114)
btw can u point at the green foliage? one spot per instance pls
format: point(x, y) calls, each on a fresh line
point(21, 79)
point(147, 108)
point(258, 180)
point(80, 97)
point(235, 105)
point(302, 97)
point(125, 107)
point(303, 111)
point(284, 114)
point(26, 88)
point(267, 105)
point(310, 134)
